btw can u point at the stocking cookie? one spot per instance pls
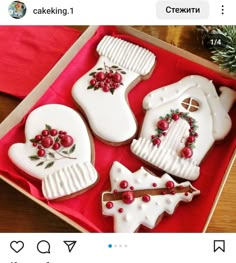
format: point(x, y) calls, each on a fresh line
point(140, 198)
point(101, 92)
point(57, 151)
point(182, 122)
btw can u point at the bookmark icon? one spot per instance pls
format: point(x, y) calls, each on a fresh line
point(70, 245)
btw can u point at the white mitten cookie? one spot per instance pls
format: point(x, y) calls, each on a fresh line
point(140, 198)
point(57, 151)
point(101, 92)
point(182, 122)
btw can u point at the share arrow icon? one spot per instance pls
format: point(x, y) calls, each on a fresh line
point(70, 245)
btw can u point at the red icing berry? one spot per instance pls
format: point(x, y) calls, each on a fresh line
point(120, 210)
point(109, 205)
point(186, 193)
point(117, 78)
point(173, 192)
point(39, 147)
point(196, 134)
point(115, 191)
point(175, 116)
point(60, 132)
point(146, 198)
point(56, 146)
point(100, 76)
point(41, 152)
point(93, 82)
point(154, 185)
point(45, 132)
point(67, 141)
point(131, 188)
point(35, 144)
point(191, 139)
point(186, 152)
point(164, 133)
point(47, 142)
point(170, 184)
point(127, 197)
point(123, 184)
point(109, 75)
point(163, 192)
point(163, 125)
point(38, 138)
point(53, 132)
point(106, 88)
point(156, 141)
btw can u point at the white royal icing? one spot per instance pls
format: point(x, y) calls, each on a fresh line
point(66, 175)
point(109, 115)
point(211, 118)
point(139, 212)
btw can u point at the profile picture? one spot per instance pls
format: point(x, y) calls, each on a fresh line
point(17, 9)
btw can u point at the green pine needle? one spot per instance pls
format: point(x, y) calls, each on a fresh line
point(226, 57)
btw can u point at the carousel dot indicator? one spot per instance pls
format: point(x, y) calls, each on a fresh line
point(110, 245)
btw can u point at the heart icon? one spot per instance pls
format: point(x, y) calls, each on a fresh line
point(17, 246)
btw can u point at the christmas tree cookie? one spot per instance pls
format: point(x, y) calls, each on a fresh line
point(140, 198)
point(102, 92)
point(57, 151)
point(182, 122)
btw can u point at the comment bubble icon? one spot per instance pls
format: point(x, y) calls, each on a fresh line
point(43, 247)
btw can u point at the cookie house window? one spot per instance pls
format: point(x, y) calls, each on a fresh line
point(190, 104)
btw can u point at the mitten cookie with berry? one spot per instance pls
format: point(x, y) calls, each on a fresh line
point(57, 151)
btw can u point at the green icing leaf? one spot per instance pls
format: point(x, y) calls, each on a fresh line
point(49, 165)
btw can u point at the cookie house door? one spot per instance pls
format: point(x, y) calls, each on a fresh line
point(176, 136)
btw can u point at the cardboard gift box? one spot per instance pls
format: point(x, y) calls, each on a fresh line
point(84, 211)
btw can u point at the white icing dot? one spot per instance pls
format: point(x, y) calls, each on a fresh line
point(198, 86)
point(61, 184)
point(150, 95)
point(140, 207)
point(148, 105)
point(177, 91)
point(146, 174)
point(116, 180)
point(156, 203)
point(168, 201)
point(138, 180)
point(214, 114)
point(147, 217)
point(162, 99)
point(208, 95)
point(164, 89)
point(119, 170)
point(126, 218)
point(191, 77)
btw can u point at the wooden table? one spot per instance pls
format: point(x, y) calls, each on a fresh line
point(20, 214)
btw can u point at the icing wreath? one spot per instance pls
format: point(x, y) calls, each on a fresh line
point(107, 78)
point(52, 145)
point(163, 126)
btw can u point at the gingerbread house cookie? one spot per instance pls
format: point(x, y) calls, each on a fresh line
point(181, 123)
point(57, 151)
point(140, 198)
point(101, 92)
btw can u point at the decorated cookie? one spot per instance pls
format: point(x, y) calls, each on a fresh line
point(140, 198)
point(57, 151)
point(182, 122)
point(101, 92)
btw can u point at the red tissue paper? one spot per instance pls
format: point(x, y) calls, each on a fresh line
point(28, 53)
